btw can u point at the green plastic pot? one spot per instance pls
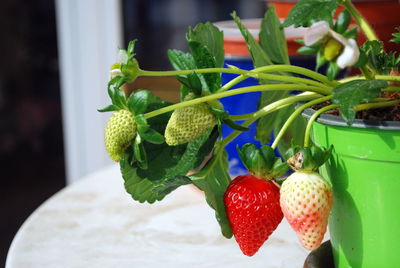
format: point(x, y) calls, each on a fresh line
point(364, 171)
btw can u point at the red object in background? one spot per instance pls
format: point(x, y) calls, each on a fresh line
point(235, 45)
point(383, 16)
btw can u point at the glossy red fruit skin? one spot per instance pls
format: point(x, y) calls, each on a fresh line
point(253, 210)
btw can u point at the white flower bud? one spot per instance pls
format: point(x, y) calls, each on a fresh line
point(115, 73)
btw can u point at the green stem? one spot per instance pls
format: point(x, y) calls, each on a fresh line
point(269, 109)
point(294, 115)
point(240, 117)
point(233, 82)
point(368, 75)
point(375, 105)
point(367, 29)
point(235, 92)
point(255, 72)
point(186, 72)
point(298, 70)
point(388, 77)
point(351, 78)
point(312, 119)
point(292, 79)
point(377, 77)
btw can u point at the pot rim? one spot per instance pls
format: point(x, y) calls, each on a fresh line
point(334, 120)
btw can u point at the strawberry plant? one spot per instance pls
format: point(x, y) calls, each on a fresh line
point(157, 143)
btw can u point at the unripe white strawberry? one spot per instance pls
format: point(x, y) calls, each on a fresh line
point(189, 123)
point(306, 200)
point(119, 132)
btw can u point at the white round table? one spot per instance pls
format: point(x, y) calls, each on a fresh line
point(95, 223)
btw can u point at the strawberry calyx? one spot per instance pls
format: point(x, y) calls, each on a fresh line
point(127, 66)
point(307, 159)
point(262, 161)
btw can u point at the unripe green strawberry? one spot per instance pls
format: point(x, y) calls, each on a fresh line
point(306, 200)
point(119, 132)
point(188, 123)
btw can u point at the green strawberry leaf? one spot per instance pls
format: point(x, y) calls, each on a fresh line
point(272, 38)
point(232, 124)
point(152, 136)
point(139, 152)
point(306, 12)
point(221, 114)
point(332, 71)
point(213, 179)
point(191, 81)
point(181, 60)
point(207, 147)
point(183, 92)
point(267, 124)
point(206, 45)
point(167, 167)
point(212, 38)
point(320, 61)
point(307, 50)
point(320, 155)
point(109, 108)
point(258, 55)
point(272, 122)
point(362, 60)
point(396, 36)
point(145, 190)
point(148, 130)
point(138, 101)
point(352, 93)
point(185, 61)
point(342, 21)
point(142, 101)
point(223, 117)
point(378, 59)
point(131, 48)
point(117, 96)
point(204, 59)
point(351, 33)
point(146, 133)
point(171, 161)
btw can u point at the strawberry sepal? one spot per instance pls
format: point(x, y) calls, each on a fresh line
point(262, 162)
point(307, 159)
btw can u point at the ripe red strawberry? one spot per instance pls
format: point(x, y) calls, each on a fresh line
point(306, 199)
point(252, 207)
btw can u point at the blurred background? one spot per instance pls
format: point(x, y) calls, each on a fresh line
point(53, 75)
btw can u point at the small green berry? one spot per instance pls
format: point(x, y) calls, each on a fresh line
point(189, 123)
point(119, 132)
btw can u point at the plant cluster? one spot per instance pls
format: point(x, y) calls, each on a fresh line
point(157, 143)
